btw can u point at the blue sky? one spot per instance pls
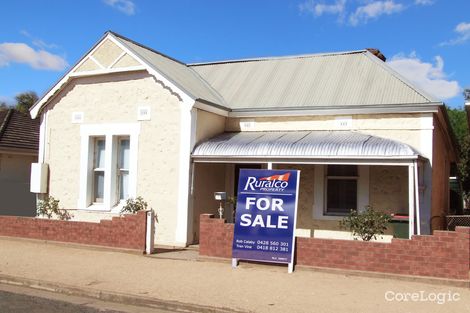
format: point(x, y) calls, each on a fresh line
point(428, 41)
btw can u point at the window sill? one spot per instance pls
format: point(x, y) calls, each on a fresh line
point(100, 207)
point(97, 207)
point(328, 217)
point(118, 207)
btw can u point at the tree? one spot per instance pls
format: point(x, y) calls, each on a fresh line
point(463, 168)
point(25, 100)
point(458, 122)
point(3, 106)
point(466, 94)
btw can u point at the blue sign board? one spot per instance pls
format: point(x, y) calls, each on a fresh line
point(266, 215)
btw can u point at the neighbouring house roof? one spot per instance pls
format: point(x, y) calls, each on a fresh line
point(18, 131)
point(302, 144)
point(315, 81)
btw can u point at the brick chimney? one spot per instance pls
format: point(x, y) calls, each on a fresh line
point(377, 53)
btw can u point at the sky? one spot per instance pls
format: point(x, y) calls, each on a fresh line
point(427, 41)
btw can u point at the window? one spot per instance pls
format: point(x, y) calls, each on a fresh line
point(108, 165)
point(123, 168)
point(341, 189)
point(98, 170)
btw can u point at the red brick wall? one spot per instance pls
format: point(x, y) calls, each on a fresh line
point(215, 237)
point(120, 232)
point(445, 254)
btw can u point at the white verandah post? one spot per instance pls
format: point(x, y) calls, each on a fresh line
point(411, 199)
point(418, 218)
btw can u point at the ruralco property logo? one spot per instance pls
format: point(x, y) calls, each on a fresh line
point(274, 183)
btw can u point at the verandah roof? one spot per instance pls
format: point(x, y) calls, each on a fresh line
point(302, 144)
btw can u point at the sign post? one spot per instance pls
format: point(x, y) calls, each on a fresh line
point(266, 216)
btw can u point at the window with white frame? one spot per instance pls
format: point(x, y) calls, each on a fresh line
point(108, 165)
point(98, 169)
point(341, 189)
point(123, 168)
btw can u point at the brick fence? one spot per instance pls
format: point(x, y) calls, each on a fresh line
point(445, 254)
point(121, 232)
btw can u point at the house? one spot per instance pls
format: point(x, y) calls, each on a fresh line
point(19, 142)
point(129, 121)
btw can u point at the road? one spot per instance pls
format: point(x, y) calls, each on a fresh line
point(15, 299)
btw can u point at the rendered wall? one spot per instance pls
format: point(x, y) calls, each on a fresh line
point(15, 197)
point(389, 188)
point(208, 125)
point(114, 99)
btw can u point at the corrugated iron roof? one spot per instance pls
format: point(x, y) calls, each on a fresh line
point(318, 80)
point(18, 131)
point(302, 144)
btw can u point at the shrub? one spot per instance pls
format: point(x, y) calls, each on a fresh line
point(367, 224)
point(49, 207)
point(133, 206)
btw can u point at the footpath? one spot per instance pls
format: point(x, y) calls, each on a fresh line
point(182, 282)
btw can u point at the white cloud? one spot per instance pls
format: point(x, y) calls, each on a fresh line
point(12, 52)
point(373, 10)
point(429, 77)
point(125, 6)
point(39, 42)
point(359, 11)
point(424, 2)
point(319, 8)
point(463, 31)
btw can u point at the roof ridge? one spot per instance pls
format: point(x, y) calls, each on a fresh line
point(4, 124)
point(282, 57)
point(146, 47)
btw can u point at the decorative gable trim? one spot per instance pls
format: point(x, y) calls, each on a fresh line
point(102, 70)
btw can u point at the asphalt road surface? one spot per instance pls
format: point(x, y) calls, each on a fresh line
point(14, 299)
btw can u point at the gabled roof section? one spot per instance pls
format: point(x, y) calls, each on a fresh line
point(316, 80)
point(18, 131)
point(115, 53)
point(178, 72)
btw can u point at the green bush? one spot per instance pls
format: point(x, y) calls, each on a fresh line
point(367, 224)
point(133, 206)
point(49, 207)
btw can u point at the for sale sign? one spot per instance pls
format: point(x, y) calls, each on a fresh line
point(266, 215)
